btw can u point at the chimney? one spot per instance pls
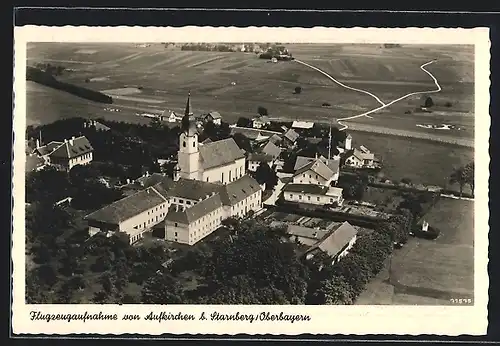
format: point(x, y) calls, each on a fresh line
point(65, 140)
point(71, 141)
point(147, 173)
point(128, 181)
point(37, 143)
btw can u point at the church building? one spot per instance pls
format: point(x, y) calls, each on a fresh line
point(221, 161)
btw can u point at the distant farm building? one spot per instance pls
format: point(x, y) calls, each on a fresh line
point(65, 155)
point(302, 125)
point(214, 117)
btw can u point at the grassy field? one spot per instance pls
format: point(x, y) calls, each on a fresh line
point(235, 84)
point(429, 272)
point(421, 161)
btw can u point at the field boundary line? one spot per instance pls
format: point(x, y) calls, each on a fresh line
point(340, 83)
point(384, 105)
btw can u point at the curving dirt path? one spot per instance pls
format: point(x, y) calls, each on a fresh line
point(383, 105)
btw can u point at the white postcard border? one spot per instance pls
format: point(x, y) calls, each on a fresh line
point(359, 320)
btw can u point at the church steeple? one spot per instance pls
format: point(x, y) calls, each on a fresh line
point(188, 111)
point(188, 124)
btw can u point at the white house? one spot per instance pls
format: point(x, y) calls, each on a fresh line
point(336, 244)
point(214, 117)
point(332, 164)
point(315, 172)
point(67, 154)
point(133, 215)
point(254, 161)
point(313, 194)
point(360, 158)
point(260, 122)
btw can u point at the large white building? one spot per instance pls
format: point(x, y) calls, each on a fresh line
point(67, 154)
point(210, 185)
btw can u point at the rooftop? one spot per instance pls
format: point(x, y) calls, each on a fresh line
point(195, 212)
point(291, 135)
point(128, 207)
point(318, 167)
point(306, 188)
point(302, 125)
point(192, 189)
point(260, 157)
point(219, 153)
point(336, 240)
point(68, 149)
point(238, 190)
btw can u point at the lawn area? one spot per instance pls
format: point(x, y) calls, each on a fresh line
point(430, 272)
point(424, 162)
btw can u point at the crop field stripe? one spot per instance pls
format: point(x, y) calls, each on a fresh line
point(422, 67)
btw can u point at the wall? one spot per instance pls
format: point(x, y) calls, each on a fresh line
point(353, 161)
point(144, 221)
point(252, 202)
point(309, 177)
point(225, 174)
point(309, 198)
point(195, 231)
point(81, 160)
point(346, 249)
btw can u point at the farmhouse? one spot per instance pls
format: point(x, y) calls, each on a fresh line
point(313, 194)
point(254, 161)
point(221, 161)
point(260, 122)
point(65, 155)
point(315, 172)
point(210, 185)
point(332, 164)
point(336, 244)
point(360, 158)
point(214, 117)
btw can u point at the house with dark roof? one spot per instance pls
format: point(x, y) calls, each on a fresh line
point(133, 215)
point(213, 117)
point(332, 164)
point(255, 159)
point(316, 172)
point(271, 149)
point(360, 158)
point(67, 154)
point(290, 137)
point(313, 194)
point(336, 244)
point(220, 161)
point(260, 122)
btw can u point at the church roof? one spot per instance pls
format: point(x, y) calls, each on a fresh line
point(219, 153)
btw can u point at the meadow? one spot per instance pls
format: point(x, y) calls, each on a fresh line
point(431, 272)
point(235, 84)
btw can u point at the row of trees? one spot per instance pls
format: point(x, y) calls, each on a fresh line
point(463, 176)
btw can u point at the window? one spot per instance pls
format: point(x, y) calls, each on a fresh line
point(184, 144)
point(176, 234)
point(310, 176)
point(308, 198)
point(300, 196)
point(194, 144)
point(222, 176)
point(317, 198)
point(207, 179)
point(175, 225)
point(188, 202)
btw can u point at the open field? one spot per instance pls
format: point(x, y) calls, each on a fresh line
point(235, 84)
point(424, 162)
point(431, 271)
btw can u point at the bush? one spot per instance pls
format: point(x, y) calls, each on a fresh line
point(431, 234)
point(326, 104)
point(262, 111)
point(428, 102)
point(298, 90)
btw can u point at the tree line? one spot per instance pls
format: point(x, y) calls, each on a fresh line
point(47, 78)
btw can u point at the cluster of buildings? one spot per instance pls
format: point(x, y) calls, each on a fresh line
point(210, 184)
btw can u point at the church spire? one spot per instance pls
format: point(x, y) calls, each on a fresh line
point(188, 111)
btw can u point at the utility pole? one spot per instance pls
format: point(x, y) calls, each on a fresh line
point(329, 142)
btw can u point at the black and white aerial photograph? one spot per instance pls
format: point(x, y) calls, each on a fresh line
point(253, 173)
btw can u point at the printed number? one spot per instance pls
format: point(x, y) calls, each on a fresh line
point(461, 300)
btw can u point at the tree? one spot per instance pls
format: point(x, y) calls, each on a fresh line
point(156, 123)
point(265, 174)
point(375, 248)
point(243, 142)
point(355, 269)
point(48, 185)
point(333, 291)
point(428, 102)
point(262, 111)
point(161, 289)
point(469, 175)
point(459, 176)
point(244, 122)
point(298, 90)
